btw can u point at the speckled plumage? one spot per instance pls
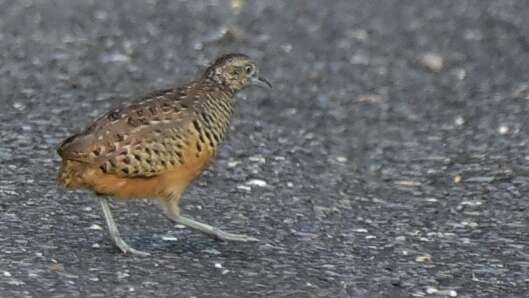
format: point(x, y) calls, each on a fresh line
point(156, 133)
point(164, 131)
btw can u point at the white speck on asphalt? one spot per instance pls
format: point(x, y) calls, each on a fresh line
point(244, 187)
point(503, 130)
point(459, 121)
point(233, 164)
point(257, 158)
point(431, 290)
point(122, 275)
point(257, 182)
point(432, 61)
point(169, 238)
point(341, 159)
point(95, 227)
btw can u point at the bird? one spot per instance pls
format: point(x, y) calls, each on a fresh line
point(156, 146)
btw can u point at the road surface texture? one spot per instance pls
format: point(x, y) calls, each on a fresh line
point(391, 159)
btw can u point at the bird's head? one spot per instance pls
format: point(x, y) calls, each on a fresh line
point(236, 71)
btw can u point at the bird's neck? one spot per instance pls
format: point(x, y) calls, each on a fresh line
point(217, 112)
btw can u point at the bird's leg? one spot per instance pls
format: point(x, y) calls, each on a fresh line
point(213, 231)
point(172, 211)
point(114, 233)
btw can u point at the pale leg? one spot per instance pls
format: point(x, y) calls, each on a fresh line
point(114, 233)
point(172, 211)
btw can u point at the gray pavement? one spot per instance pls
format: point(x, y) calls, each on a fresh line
point(390, 160)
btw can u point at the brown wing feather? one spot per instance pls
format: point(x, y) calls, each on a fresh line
point(140, 140)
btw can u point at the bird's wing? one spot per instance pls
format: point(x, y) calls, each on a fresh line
point(140, 140)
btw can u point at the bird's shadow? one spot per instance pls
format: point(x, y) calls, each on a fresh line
point(202, 247)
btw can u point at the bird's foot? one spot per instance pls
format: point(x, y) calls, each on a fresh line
point(126, 249)
point(225, 236)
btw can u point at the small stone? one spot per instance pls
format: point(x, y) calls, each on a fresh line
point(370, 98)
point(95, 245)
point(341, 159)
point(56, 267)
point(409, 183)
point(218, 265)
point(503, 130)
point(115, 57)
point(237, 5)
point(424, 259)
point(459, 121)
point(244, 187)
point(233, 164)
point(481, 179)
point(360, 230)
point(211, 251)
point(257, 158)
point(122, 275)
point(469, 224)
point(473, 203)
point(400, 238)
point(257, 182)
point(6, 274)
point(95, 227)
point(15, 282)
point(431, 290)
point(169, 238)
point(432, 61)
point(19, 106)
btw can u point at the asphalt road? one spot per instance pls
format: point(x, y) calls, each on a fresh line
point(390, 160)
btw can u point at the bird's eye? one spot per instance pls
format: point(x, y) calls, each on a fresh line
point(248, 69)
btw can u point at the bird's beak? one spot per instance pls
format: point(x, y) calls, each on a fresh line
point(262, 82)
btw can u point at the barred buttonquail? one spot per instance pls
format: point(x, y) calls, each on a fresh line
point(156, 146)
